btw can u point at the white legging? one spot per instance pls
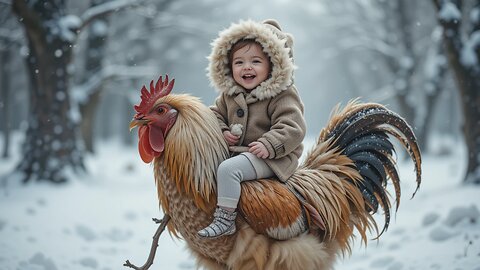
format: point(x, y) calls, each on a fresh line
point(231, 172)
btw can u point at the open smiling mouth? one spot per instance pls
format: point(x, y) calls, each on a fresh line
point(248, 77)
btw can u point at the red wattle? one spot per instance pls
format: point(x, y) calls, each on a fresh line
point(156, 139)
point(146, 152)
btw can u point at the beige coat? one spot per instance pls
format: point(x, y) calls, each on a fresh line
point(272, 113)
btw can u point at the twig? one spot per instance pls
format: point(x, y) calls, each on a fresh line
point(163, 223)
point(106, 8)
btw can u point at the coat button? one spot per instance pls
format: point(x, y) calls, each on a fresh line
point(240, 113)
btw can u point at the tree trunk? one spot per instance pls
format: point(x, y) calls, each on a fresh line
point(50, 148)
point(96, 42)
point(467, 77)
point(433, 88)
point(406, 64)
point(402, 65)
point(5, 105)
point(88, 111)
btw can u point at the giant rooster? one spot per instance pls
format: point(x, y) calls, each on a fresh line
point(304, 223)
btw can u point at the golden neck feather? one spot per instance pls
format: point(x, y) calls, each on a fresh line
point(194, 148)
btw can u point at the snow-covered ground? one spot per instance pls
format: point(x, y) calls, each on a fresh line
point(99, 220)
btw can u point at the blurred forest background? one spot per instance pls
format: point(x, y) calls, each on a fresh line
point(70, 71)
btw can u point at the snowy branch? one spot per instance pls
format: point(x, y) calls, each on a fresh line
point(364, 27)
point(367, 43)
point(81, 92)
point(103, 9)
point(10, 35)
point(185, 24)
point(470, 53)
point(467, 49)
point(449, 12)
point(8, 40)
point(378, 45)
point(382, 94)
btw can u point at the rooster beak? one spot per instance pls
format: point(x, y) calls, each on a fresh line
point(138, 122)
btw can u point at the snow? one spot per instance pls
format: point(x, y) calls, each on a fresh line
point(68, 26)
point(468, 56)
point(450, 12)
point(99, 28)
point(24, 52)
point(60, 95)
point(434, 61)
point(58, 53)
point(106, 7)
point(475, 15)
point(99, 220)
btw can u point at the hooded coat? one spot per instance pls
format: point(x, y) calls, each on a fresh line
point(272, 113)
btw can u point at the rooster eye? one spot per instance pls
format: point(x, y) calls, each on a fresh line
point(161, 110)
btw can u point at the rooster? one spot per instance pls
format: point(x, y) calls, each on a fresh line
point(305, 223)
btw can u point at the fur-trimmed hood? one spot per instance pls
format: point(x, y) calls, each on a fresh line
point(276, 44)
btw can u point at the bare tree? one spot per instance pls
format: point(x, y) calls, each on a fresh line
point(463, 54)
point(10, 37)
point(96, 74)
point(436, 70)
point(50, 140)
point(94, 54)
point(51, 147)
point(392, 35)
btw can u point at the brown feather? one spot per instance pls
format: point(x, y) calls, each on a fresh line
point(268, 204)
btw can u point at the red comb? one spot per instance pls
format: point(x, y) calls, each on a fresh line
point(160, 89)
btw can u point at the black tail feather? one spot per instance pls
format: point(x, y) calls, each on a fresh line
point(392, 173)
point(371, 175)
point(374, 163)
point(363, 137)
point(413, 151)
point(377, 141)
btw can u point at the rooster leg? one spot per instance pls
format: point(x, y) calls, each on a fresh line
point(163, 223)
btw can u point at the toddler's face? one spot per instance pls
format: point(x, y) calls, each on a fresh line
point(250, 66)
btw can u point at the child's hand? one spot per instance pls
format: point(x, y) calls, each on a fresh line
point(230, 138)
point(258, 149)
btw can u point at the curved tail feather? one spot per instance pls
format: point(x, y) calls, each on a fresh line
point(370, 117)
point(360, 133)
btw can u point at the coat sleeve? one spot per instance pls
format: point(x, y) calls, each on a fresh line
point(288, 124)
point(220, 111)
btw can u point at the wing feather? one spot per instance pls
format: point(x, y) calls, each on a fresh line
point(268, 204)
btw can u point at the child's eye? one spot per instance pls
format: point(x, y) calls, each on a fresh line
point(237, 62)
